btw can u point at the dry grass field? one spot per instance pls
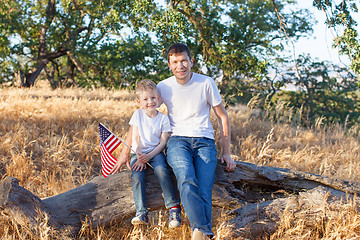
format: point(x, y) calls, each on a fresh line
point(49, 141)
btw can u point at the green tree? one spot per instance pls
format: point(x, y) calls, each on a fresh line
point(340, 17)
point(235, 40)
point(323, 90)
point(38, 33)
point(121, 63)
point(79, 41)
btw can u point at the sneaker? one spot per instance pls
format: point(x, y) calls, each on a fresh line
point(199, 235)
point(175, 217)
point(140, 219)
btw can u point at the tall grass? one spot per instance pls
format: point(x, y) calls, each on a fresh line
point(49, 141)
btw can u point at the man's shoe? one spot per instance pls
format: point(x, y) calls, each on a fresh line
point(175, 217)
point(141, 219)
point(199, 235)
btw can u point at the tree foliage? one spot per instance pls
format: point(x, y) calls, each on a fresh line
point(340, 17)
point(324, 90)
point(236, 40)
point(39, 33)
point(80, 42)
point(115, 43)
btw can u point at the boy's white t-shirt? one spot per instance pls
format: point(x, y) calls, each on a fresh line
point(189, 105)
point(150, 129)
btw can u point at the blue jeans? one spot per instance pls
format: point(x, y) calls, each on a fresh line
point(163, 174)
point(194, 161)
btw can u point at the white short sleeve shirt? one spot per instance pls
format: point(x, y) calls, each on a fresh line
point(150, 129)
point(189, 105)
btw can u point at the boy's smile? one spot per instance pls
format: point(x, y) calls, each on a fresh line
point(149, 100)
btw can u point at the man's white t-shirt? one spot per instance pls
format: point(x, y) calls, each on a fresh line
point(189, 105)
point(150, 129)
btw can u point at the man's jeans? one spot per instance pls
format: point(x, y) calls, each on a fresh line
point(163, 174)
point(193, 160)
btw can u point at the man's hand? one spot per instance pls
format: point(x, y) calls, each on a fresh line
point(224, 125)
point(230, 163)
point(138, 166)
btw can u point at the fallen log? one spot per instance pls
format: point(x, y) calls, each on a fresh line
point(99, 201)
point(311, 207)
point(256, 195)
point(267, 193)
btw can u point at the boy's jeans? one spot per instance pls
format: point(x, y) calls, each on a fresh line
point(193, 160)
point(163, 174)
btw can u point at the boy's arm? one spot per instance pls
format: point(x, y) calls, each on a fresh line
point(125, 153)
point(224, 125)
point(138, 165)
point(137, 142)
point(163, 140)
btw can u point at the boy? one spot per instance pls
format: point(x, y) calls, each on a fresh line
point(150, 132)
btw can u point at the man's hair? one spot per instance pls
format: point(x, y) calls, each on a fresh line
point(178, 48)
point(145, 85)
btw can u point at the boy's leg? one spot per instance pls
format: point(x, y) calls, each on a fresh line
point(168, 187)
point(138, 187)
point(180, 157)
point(171, 198)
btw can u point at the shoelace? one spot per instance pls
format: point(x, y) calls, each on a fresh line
point(174, 214)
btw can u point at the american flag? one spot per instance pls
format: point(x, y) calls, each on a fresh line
point(108, 143)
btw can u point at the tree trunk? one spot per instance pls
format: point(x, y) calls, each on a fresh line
point(31, 77)
point(256, 195)
point(20, 79)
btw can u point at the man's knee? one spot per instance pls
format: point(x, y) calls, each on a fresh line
point(187, 184)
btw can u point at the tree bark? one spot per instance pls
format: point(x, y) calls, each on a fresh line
point(257, 196)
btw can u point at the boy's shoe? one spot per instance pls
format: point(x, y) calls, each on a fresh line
point(175, 217)
point(199, 235)
point(141, 219)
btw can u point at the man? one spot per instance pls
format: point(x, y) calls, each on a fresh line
point(191, 150)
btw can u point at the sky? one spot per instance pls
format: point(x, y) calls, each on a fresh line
point(319, 44)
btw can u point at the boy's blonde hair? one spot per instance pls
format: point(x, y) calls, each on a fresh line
point(145, 85)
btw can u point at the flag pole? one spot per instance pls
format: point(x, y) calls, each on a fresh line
point(116, 136)
point(120, 139)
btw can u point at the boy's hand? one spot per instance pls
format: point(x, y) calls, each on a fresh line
point(139, 166)
point(142, 157)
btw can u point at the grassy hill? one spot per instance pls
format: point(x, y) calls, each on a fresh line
point(49, 141)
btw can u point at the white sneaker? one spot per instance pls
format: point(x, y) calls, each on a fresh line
point(141, 219)
point(175, 218)
point(199, 235)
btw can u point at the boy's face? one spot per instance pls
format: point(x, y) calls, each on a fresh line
point(180, 65)
point(148, 99)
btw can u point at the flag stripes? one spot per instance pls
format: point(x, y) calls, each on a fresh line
point(108, 161)
point(112, 143)
point(108, 143)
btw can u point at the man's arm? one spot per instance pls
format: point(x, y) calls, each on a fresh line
point(124, 156)
point(224, 125)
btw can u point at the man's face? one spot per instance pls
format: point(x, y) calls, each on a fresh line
point(180, 65)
